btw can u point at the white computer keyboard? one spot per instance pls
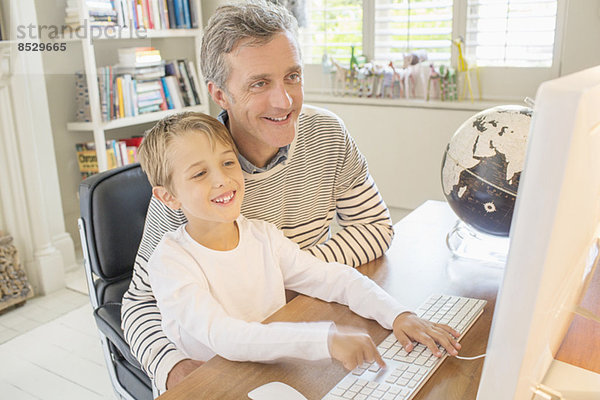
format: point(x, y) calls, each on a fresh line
point(406, 373)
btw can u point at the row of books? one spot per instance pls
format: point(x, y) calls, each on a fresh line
point(136, 14)
point(141, 83)
point(118, 153)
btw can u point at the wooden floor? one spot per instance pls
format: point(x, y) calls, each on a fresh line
point(50, 349)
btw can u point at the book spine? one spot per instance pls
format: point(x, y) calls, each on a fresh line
point(170, 104)
point(173, 86)
point(186, 14)
point(123, 152)
point(148, 11)
point(131, 154)
point(156, 14)
point(143, 18)
point(163, 105)
point(120, 14)
point(111, 95)
point(116, 152)
point(171, 12)
point(194, 81)
point(181, 84)
point(161, 13)
point(120, 97)
point(126, 93)
point(165, 15)
point(194, 14)
point(186, 82)
point(110, 156)
point(134, 97)
point(134, 13)
point(126, 14)
point(179, 19)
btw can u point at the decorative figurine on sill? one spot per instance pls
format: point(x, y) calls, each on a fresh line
point(387, 83)
point(414, 76)
point(397, 82)
point(464, 71)
point(448, 91)
point(433, 83)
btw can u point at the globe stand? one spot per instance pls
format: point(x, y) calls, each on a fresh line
point(463, 241)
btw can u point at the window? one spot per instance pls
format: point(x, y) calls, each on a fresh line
point(511, 33)
point(406, 26)
point(333, 27)
point(499, 33)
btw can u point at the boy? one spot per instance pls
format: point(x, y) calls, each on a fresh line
point(216, 277)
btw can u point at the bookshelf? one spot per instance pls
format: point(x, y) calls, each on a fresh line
point(94, 53)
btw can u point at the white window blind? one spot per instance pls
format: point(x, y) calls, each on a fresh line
point(403, 26)
point(511, 33)
point(333, 26)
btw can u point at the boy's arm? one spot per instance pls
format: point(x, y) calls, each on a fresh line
point(140, 317)
point(361, 212)
point(336, 282)
point(333, 282)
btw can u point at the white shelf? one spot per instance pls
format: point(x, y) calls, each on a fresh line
point(131, 121)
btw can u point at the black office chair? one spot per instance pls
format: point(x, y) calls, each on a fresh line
point(113, 207)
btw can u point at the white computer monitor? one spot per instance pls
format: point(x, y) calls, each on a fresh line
point(554, 237)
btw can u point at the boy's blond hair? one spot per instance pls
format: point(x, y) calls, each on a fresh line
point(154, 155)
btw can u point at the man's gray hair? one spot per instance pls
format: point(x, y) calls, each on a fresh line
point(256, 20)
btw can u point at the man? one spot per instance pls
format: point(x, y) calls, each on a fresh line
point(300, 166)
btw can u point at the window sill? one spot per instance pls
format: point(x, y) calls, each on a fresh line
point(477, 105)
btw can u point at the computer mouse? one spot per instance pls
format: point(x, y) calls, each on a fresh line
point(275, 391)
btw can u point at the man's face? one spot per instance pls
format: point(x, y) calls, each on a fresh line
point(264, 96)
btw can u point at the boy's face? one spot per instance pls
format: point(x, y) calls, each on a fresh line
point(265, 95)
point(207, 182)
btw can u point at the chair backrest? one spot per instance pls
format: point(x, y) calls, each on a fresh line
point(113, 208)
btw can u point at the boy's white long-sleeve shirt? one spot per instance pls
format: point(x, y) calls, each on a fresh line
point(212, 302)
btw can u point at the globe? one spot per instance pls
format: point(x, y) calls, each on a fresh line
point(482, 166)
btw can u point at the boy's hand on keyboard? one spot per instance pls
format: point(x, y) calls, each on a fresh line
point(408, 328)
point(353, 348)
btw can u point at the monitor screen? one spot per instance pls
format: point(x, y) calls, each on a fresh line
point(553, 237)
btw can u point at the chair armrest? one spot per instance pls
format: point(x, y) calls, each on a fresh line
point(108, 320)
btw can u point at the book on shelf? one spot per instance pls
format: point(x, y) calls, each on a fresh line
point(118, 153)
point(87, 159)
point(135, 14)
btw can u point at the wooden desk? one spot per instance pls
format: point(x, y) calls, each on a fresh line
point(417, 265)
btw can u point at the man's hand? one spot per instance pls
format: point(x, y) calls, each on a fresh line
point(408, 327)
point(353, 348)
point(182, 369)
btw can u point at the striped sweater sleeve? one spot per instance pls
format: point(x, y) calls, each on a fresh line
point(361, 212)
point(140, 317)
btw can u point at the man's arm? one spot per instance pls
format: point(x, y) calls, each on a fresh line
point(367, 227)
point(140, 317)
